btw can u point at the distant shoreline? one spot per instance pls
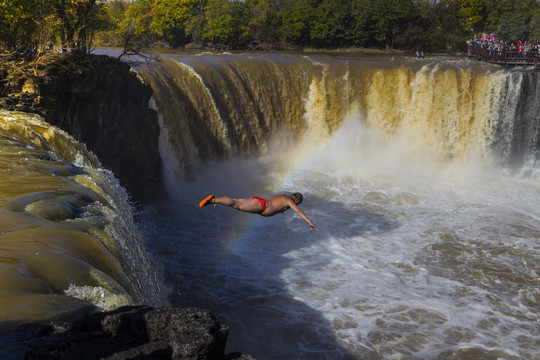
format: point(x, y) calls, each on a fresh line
point(336, 51)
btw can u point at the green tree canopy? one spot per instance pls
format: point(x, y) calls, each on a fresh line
point(433, 25)
point(511, 20)
point(474, 14)
point(227, 22)
point(134, 26)
point(20, 20)
point(37, 22)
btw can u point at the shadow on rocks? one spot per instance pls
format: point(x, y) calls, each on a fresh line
point(133, 332)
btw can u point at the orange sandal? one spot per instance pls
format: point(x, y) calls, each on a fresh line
point(207, 201)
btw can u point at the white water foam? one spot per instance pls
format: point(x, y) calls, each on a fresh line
point(414, 258)
point(390, 227)
point(98, 296)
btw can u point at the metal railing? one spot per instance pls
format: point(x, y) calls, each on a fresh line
point(504, 57)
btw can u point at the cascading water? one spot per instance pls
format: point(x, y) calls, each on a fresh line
point(422, 177)
point(68, 242)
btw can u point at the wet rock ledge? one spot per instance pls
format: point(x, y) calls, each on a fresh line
point(100, 102)
point(132, 332)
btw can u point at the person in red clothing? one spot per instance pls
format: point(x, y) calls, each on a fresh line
point(266, 207)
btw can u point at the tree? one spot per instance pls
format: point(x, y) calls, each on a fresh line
point(17, 21)
point(35, 22)
point(443, 35)
point(175, 20)
point(113, 14)
point(168, 20)
point(418, 29)
point(78, 20)
point(535, 26)
point(391, 19)
point(262, 21)
point(226, 22)
point(361, 34)
point(134, 27)
point(473, 12)
point(296, 17)
point(511, 19)
point(196, 27)
point(332, 24)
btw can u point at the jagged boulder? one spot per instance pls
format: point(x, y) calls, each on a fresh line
point(134, 332)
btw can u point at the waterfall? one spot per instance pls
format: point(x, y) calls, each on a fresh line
point(217, 106)
point(422, 177)
point(68, 238)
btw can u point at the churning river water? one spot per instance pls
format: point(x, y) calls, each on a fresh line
point(409, 262)
point(423, 178)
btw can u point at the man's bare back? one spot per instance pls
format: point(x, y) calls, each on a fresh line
point(266, 207)
point(277, 204)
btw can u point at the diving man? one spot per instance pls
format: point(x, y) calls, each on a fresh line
point(265, 207)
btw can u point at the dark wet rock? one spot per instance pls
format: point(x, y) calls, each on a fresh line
point(139, 332)
point(102, 103)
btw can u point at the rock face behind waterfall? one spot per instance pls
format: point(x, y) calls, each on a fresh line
point(100, 102)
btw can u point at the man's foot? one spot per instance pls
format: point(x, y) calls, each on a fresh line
point(207, 201)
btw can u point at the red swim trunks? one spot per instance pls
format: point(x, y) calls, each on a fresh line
point(261, 201)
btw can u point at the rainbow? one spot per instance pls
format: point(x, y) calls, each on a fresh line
point(287, 167)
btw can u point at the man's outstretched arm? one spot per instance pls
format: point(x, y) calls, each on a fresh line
point(300, 213)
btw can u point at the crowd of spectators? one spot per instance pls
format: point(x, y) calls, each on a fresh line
point(498, 48)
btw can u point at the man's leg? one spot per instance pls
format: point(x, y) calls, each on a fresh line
point(247, 205)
